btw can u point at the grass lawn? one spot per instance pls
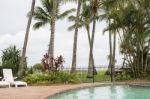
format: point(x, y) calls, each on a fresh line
point(99, 77)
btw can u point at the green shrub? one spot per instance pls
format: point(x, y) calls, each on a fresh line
point(11, 58)
point(68, 78)
point(51, 78)
point(36, 77)
point(38, 67)
point(122, 77)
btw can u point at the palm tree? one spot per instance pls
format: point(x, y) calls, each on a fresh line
point(74, 56)
point(87, 19)
point(23, 57)
point(94, 5)
point(131, 18)
point(84, 21)
point(109, 8)
point(48, 14)
point(53, 19)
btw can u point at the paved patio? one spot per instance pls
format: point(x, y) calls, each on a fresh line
point(41, 92)
point(35, 92)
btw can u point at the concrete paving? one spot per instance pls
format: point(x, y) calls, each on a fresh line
point(41, 92)
point(35, 92)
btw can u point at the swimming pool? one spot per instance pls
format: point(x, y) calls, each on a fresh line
point(106, 92)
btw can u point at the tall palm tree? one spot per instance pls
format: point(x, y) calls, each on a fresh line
point(74, 54)
point(87, 19)
point(48, 14)
point(107, 6)
point(23, 57)
point(131, 18)
point(109, 15)
point(84, 21)
point(53, 19)
point(95, 5)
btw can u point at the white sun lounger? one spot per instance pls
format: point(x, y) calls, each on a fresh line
point(4, 83)
point(8, 77)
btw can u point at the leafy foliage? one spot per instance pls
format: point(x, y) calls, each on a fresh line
point(43, 14)
point(130, 19)
point(38, 67)
point(57, 63)
point(51, 78)
point(123, 76)
point(11, 58)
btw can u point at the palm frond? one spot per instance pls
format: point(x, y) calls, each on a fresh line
point(71, 18)
point(40, 14)
point(47, 5)
point(37, 25)
point(64, 14)
point(72, 27)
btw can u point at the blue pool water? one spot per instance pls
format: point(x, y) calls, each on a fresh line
point(106, 92)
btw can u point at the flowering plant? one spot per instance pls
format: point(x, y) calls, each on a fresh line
point(53, 64)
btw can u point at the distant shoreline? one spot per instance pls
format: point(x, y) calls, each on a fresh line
point(85, 68)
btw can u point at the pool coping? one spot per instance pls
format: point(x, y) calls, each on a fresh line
point(137, 84)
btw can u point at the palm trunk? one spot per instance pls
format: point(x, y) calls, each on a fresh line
point(108, 72)
point(74, 56)
point(52, 36)
point(23, 57)
point(90, 67)
point(110, 56)
point(146, 60)
point(138, 61)
point(89, 38)
point(142, 56)
point(114, 54)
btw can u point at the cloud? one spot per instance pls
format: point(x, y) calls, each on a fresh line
point(39, 40)
point(13, 25)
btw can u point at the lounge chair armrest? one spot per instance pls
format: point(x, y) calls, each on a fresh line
point(3, 79)
point(0, 78)
point(15, 78)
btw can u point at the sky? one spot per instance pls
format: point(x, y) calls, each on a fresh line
point(13, 22)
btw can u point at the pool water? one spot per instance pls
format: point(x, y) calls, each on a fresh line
point(106, 92)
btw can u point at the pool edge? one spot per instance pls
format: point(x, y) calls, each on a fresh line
point(98, 85)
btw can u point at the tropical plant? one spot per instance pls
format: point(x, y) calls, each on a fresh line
point(11, 58)
point(91, 9)
point(47, 78)
point(131, 19)
point(111, 15)
point(84, 21)
point(23, 56)
point(74, 54)
point(95, 9)
point(48, 13)
point(38, 67)
point(57, 63)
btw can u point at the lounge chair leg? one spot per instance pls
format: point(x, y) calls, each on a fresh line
point(16, 86)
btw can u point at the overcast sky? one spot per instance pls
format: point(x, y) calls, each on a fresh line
point(13, 22)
